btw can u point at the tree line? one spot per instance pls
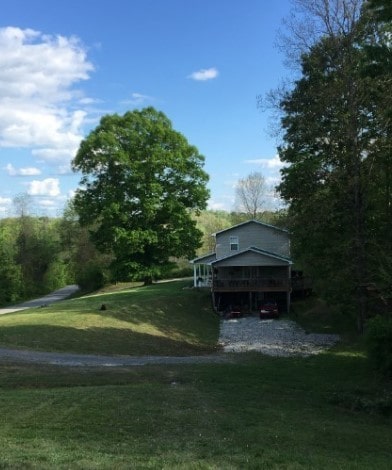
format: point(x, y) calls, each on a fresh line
point(41, 254)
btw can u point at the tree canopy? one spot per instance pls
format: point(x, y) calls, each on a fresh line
point(141, 182)
point(337, 179)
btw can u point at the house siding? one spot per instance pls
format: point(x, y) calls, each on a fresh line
point(253, 234)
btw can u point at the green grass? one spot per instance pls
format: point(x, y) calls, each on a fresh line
point(162, 319)
point(257, 412)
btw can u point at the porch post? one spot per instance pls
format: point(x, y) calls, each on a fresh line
point(289, 288)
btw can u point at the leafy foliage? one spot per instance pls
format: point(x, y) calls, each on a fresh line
point(32, 260)
point(10, 272)
point(337, 180)
point(141, 181)
point(379, 344)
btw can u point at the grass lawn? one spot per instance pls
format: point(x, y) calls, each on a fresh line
point(256, 412)
point(162, 319)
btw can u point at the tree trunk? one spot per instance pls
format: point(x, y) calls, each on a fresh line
point(148, 280)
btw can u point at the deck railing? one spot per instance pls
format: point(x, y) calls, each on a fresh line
point(241, 285)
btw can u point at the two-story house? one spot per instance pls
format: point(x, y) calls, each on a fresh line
point(251, 264)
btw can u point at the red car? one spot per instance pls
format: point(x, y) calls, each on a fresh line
point(269, 310)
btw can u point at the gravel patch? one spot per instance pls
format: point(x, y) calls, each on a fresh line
point(272, 337)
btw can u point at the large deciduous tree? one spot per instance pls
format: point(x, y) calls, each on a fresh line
point(141, 182)
point(334, 148)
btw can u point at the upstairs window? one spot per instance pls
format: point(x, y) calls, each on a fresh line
point(234, 244)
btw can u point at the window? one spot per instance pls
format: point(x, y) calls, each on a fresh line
point(233, 243)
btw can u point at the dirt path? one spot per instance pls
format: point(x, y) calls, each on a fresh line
point(91, 360)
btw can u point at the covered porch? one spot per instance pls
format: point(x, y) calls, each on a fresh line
point(202, 271)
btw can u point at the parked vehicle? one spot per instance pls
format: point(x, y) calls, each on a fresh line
point(269, 310)
point(233, 311)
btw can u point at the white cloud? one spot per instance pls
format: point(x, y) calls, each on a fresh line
point(71, 193)
point(64, 170)
point(5, 201)
point(138, 99)
point(216, 205)
point(37, 77)
point(28, 171)
point(47, 203)
point(270, 163)
point(204, 74)
point(5, 205)
point(46, 187)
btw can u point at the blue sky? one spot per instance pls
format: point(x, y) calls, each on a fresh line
point(64, 64)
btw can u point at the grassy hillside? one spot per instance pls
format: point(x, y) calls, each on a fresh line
point(162, 319)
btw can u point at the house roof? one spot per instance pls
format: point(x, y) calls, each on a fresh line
point(211, 258)
point(255, 250)
point(252, 221)
point(205, 259)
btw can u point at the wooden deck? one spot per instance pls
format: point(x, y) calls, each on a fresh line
point(251, 285)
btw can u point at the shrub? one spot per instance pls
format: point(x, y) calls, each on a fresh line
point(379, 344)
point(91, 277)
point(56, 276)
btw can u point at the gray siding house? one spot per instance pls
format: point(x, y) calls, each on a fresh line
point(251, 264)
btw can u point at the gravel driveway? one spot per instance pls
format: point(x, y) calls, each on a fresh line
point(272, 337)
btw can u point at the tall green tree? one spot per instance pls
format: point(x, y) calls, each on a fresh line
point(141, 181)
point(87, 267)
point(331, 131)
point(377, 65)
point(38, 248)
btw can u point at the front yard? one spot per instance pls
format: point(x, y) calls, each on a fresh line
point(326, 411)
point(258, 412)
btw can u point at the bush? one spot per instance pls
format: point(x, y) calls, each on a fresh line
point(91, 277)
point(379, 344)
point(56, 276)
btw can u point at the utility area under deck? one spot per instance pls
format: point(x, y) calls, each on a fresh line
point(249, 302)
